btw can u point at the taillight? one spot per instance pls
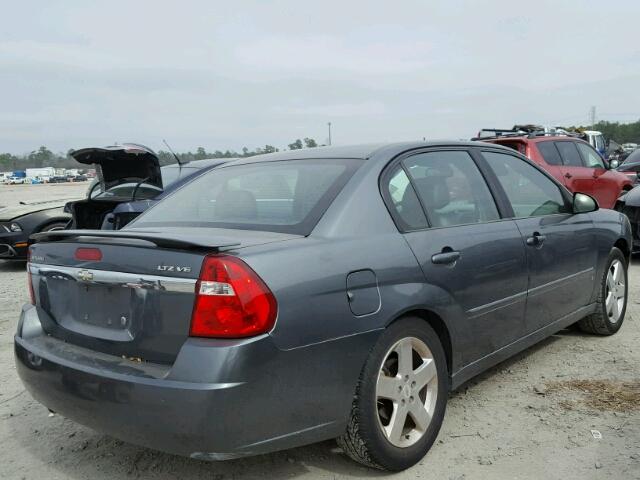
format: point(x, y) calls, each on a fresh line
point(231, 300)
point(32, 295)
point(88, 254)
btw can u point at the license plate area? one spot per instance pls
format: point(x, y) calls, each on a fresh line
point(106, 312)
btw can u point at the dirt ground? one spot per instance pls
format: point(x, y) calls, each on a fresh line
point(568, 408)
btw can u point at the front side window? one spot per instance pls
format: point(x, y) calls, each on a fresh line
point(452, 189)
point(592, 159)
point(530, 192)
point(569, 154)
point(286, 196)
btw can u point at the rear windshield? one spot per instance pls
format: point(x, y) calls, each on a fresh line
point(286, 196)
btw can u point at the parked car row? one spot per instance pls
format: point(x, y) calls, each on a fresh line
point(40, 180)
point(341, 292)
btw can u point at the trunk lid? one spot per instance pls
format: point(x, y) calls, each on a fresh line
point(122, 163)
point(136, 301)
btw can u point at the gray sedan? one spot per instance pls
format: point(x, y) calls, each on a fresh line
point(325, 293)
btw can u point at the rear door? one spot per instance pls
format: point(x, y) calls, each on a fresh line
point(466, 250)
point(559, 245)
point(552, 161)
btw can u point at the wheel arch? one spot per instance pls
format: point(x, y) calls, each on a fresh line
point(51, 221)
point(436, 322)
point(622, 244)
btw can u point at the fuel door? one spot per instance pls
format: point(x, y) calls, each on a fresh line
point(363, 294)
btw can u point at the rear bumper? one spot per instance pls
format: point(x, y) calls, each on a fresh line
point(221, 399)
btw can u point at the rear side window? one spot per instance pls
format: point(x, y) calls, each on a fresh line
point(592, 159)
point(287, 196)
point(409, 213)
point(569, 154)
point(530, 192)
point(452, 189)
point(550, 153)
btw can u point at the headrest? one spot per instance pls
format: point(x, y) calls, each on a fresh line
point(236, 205)
point(434, 192)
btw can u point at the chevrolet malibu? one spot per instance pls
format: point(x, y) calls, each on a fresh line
point(336, 292)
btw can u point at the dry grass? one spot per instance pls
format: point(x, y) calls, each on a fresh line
point(600, 394)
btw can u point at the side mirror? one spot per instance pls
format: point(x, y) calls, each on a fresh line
point(583, 203)
point(614, 164)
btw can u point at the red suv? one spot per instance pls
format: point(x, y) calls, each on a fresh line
point(572, 161)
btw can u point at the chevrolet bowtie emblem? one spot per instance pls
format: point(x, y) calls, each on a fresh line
point(85, 275)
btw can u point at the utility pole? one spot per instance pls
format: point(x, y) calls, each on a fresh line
point(592, 116)
point(329, 125)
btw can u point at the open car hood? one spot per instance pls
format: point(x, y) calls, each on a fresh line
point(117, 164)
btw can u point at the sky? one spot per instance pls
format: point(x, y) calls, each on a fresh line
point(224, 75)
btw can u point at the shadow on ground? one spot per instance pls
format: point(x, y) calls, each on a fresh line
point(12, 265)
point(81, 452)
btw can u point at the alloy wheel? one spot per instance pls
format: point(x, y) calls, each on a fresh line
point(615, 291)
point(406, 392)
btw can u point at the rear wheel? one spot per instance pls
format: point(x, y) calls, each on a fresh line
point(400, 398)
point(612, 298)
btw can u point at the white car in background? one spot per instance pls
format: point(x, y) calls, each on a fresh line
point(14, 180)
point(597, 141)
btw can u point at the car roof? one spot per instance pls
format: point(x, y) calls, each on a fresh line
point(537, 139)
point(363, 151)
point(199, 164)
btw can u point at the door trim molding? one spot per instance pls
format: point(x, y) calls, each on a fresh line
point(474, 368)
point(540, 289)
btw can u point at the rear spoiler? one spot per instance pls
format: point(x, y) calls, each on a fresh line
point(159, 239)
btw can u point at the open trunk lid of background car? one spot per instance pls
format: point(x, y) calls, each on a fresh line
point(121, 163)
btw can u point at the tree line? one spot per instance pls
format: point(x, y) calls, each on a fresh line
point(620, 132)
point(43, 157)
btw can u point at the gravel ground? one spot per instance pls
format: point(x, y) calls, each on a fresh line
point(535, 416)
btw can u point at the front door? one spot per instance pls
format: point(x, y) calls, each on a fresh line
point(578, 177)
point(605, 181)
point(559, 245)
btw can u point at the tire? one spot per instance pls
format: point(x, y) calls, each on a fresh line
point(54, 226)
point(608, 317)
point(367, 439)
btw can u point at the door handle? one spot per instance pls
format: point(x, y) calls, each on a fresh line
point(536, 240)
point(447, 257)
point(568, 175)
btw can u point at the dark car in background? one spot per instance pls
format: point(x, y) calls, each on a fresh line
point(295, 297)
point(629, 203)
point(129, 180)
point(18, 222)
point(631, 166)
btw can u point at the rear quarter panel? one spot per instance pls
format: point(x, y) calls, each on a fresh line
point(308, 276)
